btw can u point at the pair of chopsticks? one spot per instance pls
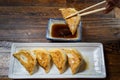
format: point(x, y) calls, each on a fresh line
point(89, 12)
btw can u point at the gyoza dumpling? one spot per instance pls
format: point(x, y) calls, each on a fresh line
point(27, 60)
point(59, 59)
point(74, 59)
point(73, 21)
point(44, 59)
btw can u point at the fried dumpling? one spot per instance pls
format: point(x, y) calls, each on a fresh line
point(59, 59)
point(74, 59)
point(44, 59)
point(72, 22)
point(27, 60)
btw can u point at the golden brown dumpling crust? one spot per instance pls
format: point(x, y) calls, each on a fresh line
point(27, 60)
point(59, 59)
point(43, 58)
point(74, 59)
point(72, 22)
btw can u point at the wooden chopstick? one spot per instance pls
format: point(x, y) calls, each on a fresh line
point(86, 9)
point(91, 12)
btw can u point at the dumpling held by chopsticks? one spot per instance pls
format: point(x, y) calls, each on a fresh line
point(72, 22)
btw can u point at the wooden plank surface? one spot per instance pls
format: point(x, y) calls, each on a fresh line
point(26, 21)
point(43, 3)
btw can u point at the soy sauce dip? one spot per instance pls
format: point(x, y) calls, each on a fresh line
point(62, 31)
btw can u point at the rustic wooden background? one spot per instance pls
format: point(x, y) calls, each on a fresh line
point(26, 21)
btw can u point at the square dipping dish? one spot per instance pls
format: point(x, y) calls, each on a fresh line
point(58, 30)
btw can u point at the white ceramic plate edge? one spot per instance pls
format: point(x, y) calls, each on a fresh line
point(58, 76)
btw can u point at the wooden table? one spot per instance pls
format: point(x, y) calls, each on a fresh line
point(26, 21)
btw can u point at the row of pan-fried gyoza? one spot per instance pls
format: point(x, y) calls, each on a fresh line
point(59, 56)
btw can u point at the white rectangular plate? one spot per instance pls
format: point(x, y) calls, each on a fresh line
point(92, 53)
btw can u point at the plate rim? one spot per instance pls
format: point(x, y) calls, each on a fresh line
point(10, 75)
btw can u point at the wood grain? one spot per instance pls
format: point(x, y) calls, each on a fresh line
point(27, 20)
point(43, 3)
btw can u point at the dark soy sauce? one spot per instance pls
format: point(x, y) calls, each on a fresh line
point(62, 31)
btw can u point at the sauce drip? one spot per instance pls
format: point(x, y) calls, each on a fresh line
point(62, 31)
